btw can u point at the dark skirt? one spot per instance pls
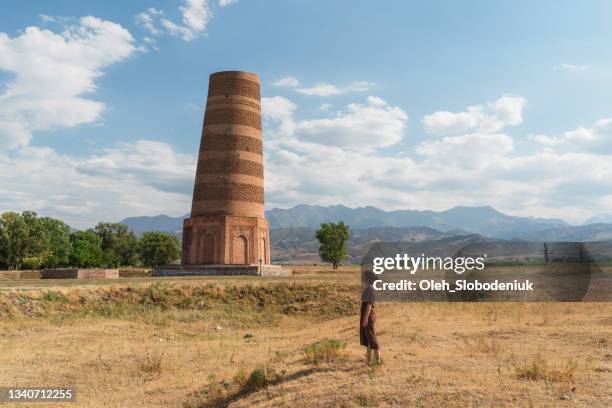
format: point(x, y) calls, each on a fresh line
point(367, 334)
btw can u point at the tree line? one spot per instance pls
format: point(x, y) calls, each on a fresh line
point(31, 242)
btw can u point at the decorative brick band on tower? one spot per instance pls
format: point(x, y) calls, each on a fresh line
point(227, 224)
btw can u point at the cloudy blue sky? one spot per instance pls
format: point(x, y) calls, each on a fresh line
point(396, 104)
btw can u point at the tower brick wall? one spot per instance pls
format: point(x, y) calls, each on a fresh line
point(227, 223)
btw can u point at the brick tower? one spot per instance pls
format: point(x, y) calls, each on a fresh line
point(227, 224)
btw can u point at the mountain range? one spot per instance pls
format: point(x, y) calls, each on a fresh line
point(485, 221)
point(292, 231)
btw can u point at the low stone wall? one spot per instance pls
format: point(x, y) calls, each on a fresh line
point(275, 270)
point(73, 273)
point(20, 274)
point(135, 273)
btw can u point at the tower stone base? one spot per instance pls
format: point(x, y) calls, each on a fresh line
point(226, 240)
point(275, 271)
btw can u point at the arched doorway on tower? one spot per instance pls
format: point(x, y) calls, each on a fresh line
point(264, 251)
point(240, 250)
point(208, 249)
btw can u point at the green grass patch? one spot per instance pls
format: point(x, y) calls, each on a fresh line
point(325, 351)
point(51, 296)
point(261, 377)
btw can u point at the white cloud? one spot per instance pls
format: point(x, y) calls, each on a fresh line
point(480, 167)
point(596, 139)
point(153, 163)
point(376, 101)
point(360, 86)
point(568, 186)
point(471, 150)
point(322, 160)
point(178, 30)
point(444, 122)
point(225, 3)
point(324, 89)
point(127, 180)
point(151, 42)
point(506, 111)
point(571, 67)
point(53, 73)
point(196, 15)
point(277, 108)
point(324, 107)
point(45, 18)
point(289, 82)
point(147, 19)
point(359, 127)
point(278, 111)
point(545, 140)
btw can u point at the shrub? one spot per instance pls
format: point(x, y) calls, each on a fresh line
point(157, 294)
point(151, 364)
point(240, 378)
point(261, 377)
point(280, 355)
point(327, 351)
point(538, 369)
point(219, 393)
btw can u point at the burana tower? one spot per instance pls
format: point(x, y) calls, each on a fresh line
point(227, 224)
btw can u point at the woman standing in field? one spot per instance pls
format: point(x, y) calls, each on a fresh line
point(367, 331)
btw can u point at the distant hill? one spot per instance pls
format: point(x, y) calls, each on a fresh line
point(592, 232)
point(600, 219)
point(299, 245)
point(480, 220)
point(485, 221)
point(157, 223)
point(484, 228)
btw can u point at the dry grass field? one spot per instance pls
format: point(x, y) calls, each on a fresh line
point(247, 342)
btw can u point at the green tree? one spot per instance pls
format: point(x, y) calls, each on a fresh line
point(16, 239)
point(332, 239)
point(35, 242)
point(119, 245)
point(158, 248)
point(55, 247)
point(86, 249)
point(27, 241)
